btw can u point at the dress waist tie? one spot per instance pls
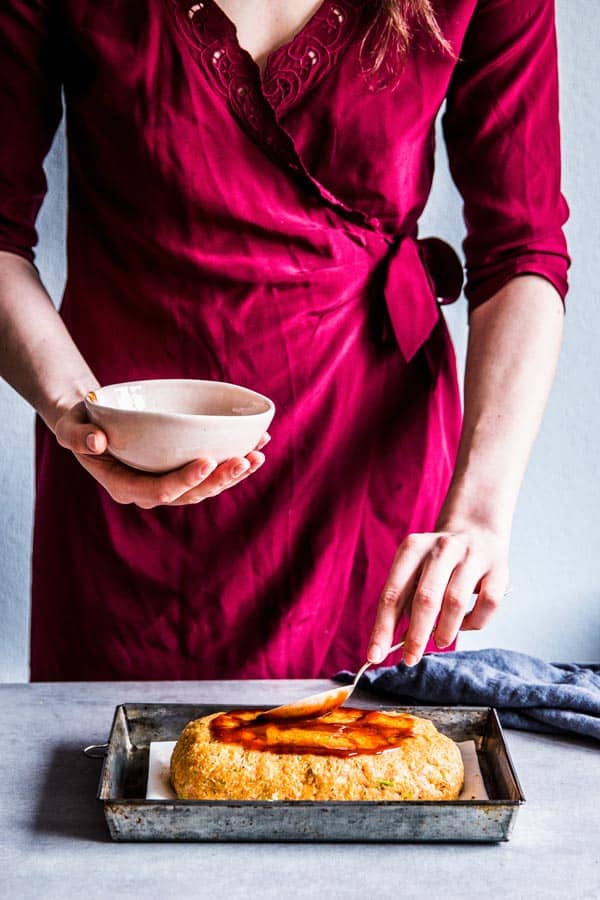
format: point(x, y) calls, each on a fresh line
point(421, 274)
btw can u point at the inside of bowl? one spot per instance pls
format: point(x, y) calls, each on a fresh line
point(189, 398)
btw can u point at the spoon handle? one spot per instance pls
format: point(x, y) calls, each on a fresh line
point(366, 665)
point(358, 675)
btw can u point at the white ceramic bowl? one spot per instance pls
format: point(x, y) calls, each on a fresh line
point(163, 424)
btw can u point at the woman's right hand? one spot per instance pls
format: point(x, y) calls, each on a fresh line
point(192, 483)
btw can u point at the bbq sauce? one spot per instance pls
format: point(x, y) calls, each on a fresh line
point(343, 732)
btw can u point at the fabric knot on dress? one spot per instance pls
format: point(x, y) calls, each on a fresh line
point(444, 267)
point(418, 272)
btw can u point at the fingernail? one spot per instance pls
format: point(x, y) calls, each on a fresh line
point(375, 653)
point(440, 643)
point(208, 467)
point(240, 468)
point(92, 442)
point(410, 659)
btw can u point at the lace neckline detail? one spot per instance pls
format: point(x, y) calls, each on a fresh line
point(270, 59)
point(291, 69)
point(295, 68)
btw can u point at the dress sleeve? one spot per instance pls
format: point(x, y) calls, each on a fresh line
point(502, 134)
point(30, 111)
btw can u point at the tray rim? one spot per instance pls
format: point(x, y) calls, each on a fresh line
point(296, 804)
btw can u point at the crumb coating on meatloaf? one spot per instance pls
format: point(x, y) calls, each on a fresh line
point(426, 766)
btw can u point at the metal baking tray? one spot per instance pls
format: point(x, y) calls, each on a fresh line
point(130, 817)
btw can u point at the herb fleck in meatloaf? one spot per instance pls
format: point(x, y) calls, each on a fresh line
point(423, 765)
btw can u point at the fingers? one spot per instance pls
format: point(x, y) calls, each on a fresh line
point(79, 435)
point(256, 459)
point(222, 478)
point(397, 590)
point(127, 485)
point(491, 593)
point(193, 483)
point(457, 599)
point(166, 489)
point(446, 553)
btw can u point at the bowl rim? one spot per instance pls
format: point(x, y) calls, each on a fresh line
point(193, 417)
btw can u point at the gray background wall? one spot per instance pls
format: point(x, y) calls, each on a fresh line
point(554, 608)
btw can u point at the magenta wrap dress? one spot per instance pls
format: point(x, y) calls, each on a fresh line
point(263, 231)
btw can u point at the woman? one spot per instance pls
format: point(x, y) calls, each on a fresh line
point(243, 206)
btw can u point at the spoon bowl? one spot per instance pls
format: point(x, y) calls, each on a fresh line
point(316, 705)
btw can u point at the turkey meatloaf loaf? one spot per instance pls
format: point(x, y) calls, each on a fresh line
point(242, 760)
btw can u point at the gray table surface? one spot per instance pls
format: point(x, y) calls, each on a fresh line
point(54, 840)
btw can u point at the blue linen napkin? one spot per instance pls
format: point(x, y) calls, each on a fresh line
point(527, 692)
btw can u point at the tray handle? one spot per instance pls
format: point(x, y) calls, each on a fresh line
point(95, 751)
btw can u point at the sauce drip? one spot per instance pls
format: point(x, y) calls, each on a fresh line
point(343, 732)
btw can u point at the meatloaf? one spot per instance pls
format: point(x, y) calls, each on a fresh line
point(245, 760)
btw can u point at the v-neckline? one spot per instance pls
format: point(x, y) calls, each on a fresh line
point(264, 71)
point(290, 70)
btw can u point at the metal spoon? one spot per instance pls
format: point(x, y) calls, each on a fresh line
point(317, 704)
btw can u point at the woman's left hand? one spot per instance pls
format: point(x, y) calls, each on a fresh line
point(432, 579)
